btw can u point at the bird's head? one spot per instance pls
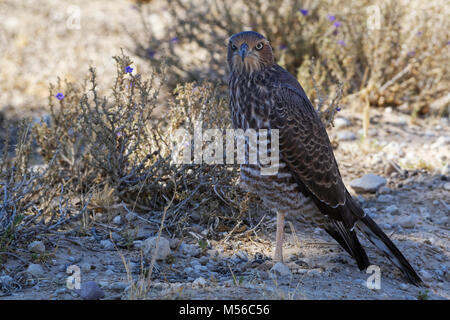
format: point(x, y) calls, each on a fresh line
point(249, 52)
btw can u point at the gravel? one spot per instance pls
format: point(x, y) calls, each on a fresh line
point(368, 183)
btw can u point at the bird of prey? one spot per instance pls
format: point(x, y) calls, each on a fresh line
point(308, 183)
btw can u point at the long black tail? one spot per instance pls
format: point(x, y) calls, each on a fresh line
point(382, 242)
point(349, 241)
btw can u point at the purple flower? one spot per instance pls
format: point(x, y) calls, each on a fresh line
point(335, 32)
point(337, 24)
point(341, 43)
point(128, 69)
point(150, 53)
point(448, 42)
point(283, 47)
point(411, 53)
point(174, 40)
point(59, 96)
point(331, 17)
point(419, 33)
point(338, 109)
point(304, 12)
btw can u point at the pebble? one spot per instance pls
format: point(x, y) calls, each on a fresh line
point(447, 186)
point(130, 217)
point(60, 291)
point(281, 269)
point(149, 245)
point(384, 190)
point(314, 272)
point(107, 244)
point(117, 220)
point(118, 286)
point(90, 291)
point(426, 276)
point(5, 280)
point(36, 247)
point(137, 244)
point(35, 269)
point(407, 222)
point(441, 142)
point(346, 136)
point(392, 209)
point(189, 249)
point(188, 270)
point(199, 282)
point(385, 198)
point(368, 183)
point(341, 122)
point(404, 286)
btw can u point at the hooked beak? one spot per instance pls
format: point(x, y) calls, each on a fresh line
point(243, 51)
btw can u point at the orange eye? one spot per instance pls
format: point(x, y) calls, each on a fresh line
point(259, 46)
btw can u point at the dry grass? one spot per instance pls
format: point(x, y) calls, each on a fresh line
point(400, 61)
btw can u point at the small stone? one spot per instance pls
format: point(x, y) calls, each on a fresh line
point(392, 209)
point(404, 286)
point(341, 122)
point(440, 142)
point(199, 282)
point(384, 190)
point(137, 244)
point(189, 249)
point(447, 186)
point(117, 220)
point(368, 183)
point(109, 272)
point(281, 269)
point(314, 272)
point(6, 280)
point(149, 245)
point(426, 276)
point(130, 217)
point(36, 247)
point(346, 136)
point(118, 286)
point(90, 291)
point(107, 244)
point(85, 266)
point(385, 198)
point(407, 222)
point(60, 291)
point(188, 270)
point(35, 269)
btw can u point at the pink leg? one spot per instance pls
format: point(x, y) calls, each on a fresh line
point(279, 238)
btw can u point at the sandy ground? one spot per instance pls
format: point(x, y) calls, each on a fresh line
point(238, 267)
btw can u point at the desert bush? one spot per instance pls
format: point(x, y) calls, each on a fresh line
point(99, 154)
point(395, 59)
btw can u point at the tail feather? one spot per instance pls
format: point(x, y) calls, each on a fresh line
point(382, 242)
point(349, 241)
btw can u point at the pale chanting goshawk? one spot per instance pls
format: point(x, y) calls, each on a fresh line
point(308, 183)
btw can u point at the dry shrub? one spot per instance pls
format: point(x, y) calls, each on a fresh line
point(102, 153)
point(401, 61)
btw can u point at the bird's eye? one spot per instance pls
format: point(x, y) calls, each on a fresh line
point(259, 46)
point(233, 47)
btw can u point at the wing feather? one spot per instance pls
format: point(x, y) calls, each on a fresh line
point(305, 146)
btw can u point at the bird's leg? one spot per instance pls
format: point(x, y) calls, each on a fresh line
point(279, 238)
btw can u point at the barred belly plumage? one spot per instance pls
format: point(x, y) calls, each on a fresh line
point(279, 193)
